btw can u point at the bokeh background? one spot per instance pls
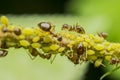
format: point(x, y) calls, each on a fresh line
point(94, 15)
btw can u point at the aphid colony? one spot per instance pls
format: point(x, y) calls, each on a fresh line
point(71, 41)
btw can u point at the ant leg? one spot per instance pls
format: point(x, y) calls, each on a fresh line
point(71, 51)
point(51, 61)
point(48, 56)
point(32, 58)
point(41, 53)
point(86, 53)
point(103, 65)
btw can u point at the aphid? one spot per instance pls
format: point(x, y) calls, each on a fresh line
point(4, 20)
point(59, 38)
point(46, 26)
point(79, 29)
point(24, 43)
point(17, 31)
point(3, 53)
point(98, 62)
point(103, 34)
point(80, 49)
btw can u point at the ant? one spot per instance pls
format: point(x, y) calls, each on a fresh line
point(77, 28)
point(80, 49)
point(114, 61)
point(103, 34)
point(59, 38)
point(17, 31)
point(66, 27)
point(47, 26)
point(5, 29)
point(74, 57)
point(35, 53)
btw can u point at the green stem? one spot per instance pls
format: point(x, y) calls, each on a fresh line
point(108, 73)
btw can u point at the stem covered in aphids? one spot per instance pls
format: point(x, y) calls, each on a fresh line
point(71, 41)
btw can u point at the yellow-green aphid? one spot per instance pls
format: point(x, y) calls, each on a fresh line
point(113, 46)
point(98, 39)
point(47, 39)
point(36, 45)
point(22, 37)
point(85, 44)
point(106, 43)
point(36, 39)
point(61, 49)
point(11, 28)
point(79, 39)
point(102, 52)
point(92, 57)
point(54, 47)
point(98, 62)
point(28, 31)
point(71, 43)
point(91, 43)
point(24, 43)
point(46, 49)
point(87, 40)
point(38, 31)
point(108, 58)
point(4, 20)
point(99, 46)
point(90, 52)
point(72, 36)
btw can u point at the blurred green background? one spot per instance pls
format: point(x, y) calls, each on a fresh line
point(94, 15)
